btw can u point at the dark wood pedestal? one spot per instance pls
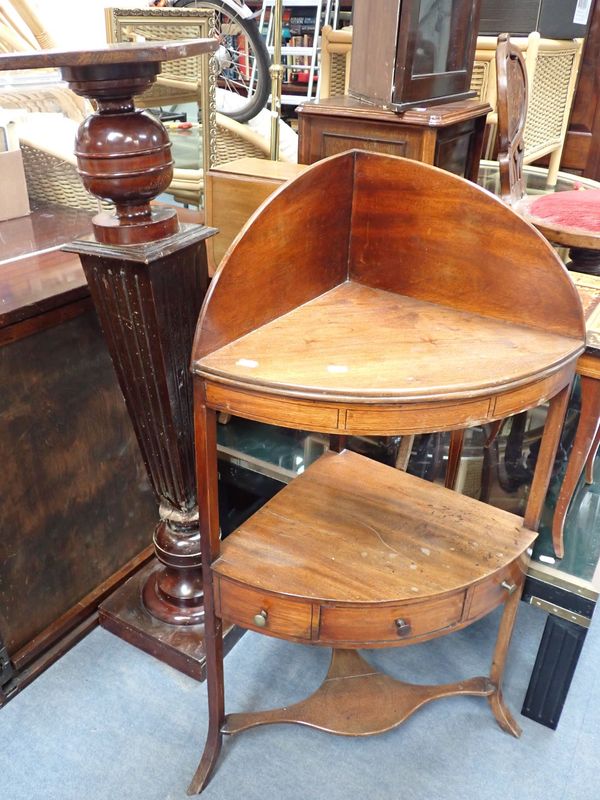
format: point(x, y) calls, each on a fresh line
point(449, 136)
point(148, 298)
point(125, 615)
point(147, 276)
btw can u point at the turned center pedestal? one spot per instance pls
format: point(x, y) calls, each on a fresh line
point(147, 276)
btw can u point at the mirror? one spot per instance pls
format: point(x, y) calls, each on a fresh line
point(184, 93)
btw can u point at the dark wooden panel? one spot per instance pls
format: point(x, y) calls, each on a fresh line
point(552, 18)
point(582, 147)
point(76, 504)
point(424, 52)
point(553, 671)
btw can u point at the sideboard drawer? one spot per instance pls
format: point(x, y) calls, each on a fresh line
point(389, 623)
point(282, 617)
point(490, 593)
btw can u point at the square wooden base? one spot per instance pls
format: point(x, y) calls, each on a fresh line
point(179, 646)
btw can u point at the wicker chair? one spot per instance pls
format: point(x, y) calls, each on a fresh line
point(51, 170)
point(182, 81)
point(233, 140)
point(552, 67)
point(336, 53)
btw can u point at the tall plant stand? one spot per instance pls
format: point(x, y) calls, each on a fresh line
point(147, 276)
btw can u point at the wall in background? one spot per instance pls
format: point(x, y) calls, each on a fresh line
point(79, 23)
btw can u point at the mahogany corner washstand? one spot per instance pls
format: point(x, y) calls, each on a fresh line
point(381, 296)
point(147, 276)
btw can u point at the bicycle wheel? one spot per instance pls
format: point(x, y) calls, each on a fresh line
point(243, 60)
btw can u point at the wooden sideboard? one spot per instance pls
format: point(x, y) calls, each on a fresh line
point(72, 472)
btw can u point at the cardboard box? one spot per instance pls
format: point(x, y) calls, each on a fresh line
point(14, 200)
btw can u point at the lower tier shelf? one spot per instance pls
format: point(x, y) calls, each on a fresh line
point(354, 554)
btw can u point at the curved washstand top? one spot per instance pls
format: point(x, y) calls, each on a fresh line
point(410, 265)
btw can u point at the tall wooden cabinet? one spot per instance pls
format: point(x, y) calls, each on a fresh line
point(413, 52)
point(582, 147)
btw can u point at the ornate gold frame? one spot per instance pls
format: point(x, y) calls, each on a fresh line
point(182, 80)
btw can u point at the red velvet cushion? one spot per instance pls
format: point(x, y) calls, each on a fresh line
point(579, 208)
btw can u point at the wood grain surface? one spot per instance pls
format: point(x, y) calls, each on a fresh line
point(433, 116)
point(452, 243)
point(108, 54)
point(351, 530)
point(448, 242)
point(326, 348)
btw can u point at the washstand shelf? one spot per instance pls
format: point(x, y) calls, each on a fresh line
point(381, 296)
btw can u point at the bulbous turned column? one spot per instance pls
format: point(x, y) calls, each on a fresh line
point(123, 154)
point(147, 276)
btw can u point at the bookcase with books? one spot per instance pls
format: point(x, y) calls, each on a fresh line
point(302, 23)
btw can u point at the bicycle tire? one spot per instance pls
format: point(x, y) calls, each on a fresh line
point(260, 95)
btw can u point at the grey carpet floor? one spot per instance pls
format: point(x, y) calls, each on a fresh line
point(107, 722)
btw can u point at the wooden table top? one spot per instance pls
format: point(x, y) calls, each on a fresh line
point(358, 343)
point(351, 530)
point(35, 274)
point(130, 52)
point(434, 116)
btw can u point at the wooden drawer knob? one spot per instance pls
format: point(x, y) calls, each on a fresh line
point(402, 627)
point(260, 619)
point(510, 587)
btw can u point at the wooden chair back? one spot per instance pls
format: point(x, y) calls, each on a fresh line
point(552, 68)
point(512, 90)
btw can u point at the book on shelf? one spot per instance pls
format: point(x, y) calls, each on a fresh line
point(236, 45)
point(297, 21)
point(303, 23)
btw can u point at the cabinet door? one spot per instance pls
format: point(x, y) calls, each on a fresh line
point(436, 45)
point(582, 147)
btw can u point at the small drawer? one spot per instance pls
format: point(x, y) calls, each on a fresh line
point(416, 417)
point(529, 395)
point(281, 616)
point(486, 596)
point(389, 623)
point(272, 408)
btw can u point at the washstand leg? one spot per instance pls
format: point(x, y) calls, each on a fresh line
point(586, 437)
point(545, 461)
point(454, 455)
point(503, 716)
point(216, 707)
point(589, 464)
point(205, 431)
